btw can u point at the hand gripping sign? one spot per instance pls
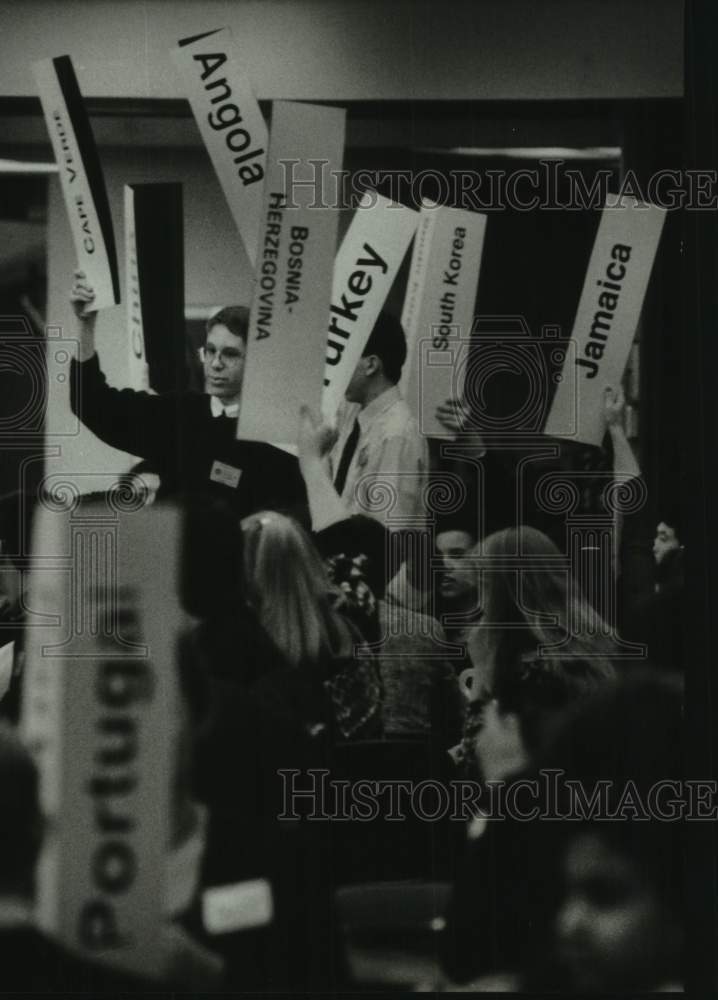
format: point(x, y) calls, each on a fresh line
point(83, 186)
point(230, 122)
point(608, 313)
point(438, 309)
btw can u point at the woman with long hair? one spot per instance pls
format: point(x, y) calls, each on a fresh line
point(532, 606)
point(299, 609)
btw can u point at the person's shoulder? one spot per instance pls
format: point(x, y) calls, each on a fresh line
point(398, 420)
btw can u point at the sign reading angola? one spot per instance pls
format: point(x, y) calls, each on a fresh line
point(230, 122)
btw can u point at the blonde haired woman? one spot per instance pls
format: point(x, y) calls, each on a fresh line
point(299, 609)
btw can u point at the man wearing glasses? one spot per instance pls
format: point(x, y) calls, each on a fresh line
point(188, 438)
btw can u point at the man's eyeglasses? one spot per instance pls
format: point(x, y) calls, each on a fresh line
point(227, 355)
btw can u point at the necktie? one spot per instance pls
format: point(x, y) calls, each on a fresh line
point(346, 460)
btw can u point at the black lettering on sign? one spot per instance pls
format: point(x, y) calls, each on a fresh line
point(120, 684)
point(227, 115)
point(346, 313)
point(267, 270)
point(598, 335)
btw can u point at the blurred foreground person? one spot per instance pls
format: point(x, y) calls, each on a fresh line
point(576, 886)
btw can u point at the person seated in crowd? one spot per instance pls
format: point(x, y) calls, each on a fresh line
point(657, 618)
point(528, 696)
point(288, 587)
point(535, 609)
point(567, 892)
point(380, 459)
point(421, 695)
point(188, 438)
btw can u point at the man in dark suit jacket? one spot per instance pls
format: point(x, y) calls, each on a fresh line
point(189, 438)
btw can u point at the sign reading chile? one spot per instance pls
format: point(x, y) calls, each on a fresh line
point(83, 185)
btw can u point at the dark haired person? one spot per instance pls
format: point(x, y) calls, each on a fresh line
point(594, 904)
point(657, 618)
point(188, 438)
point(379, 449)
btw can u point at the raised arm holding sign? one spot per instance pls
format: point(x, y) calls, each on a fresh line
point(188, 438)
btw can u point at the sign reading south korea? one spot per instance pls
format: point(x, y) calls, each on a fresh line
point(83, 186)
point(608, 313)
point(100, 704)
point(364, 271)
point(287, 340)
point(230, 122)
point(439, 307)
point(137, 378)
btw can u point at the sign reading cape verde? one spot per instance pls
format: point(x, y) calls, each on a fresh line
point(438, 309)
point(137, 378)
point(364, 271)
point(287, 341)
point(231, 124)
point(83, 186)
point(608, 313)
point(99, 710)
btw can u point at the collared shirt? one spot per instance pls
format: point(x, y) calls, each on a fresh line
point(219, 410)
point(387, 476)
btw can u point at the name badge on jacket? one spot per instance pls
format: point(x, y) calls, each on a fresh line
point(227, 474)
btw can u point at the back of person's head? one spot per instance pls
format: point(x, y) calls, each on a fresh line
point(388, 343)
point(359, 537)
point(287, 585)
point(531, 600)
point(539, 690)
point(235, 318)
point(20, 816)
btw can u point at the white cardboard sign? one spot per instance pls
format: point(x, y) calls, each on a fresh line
point(230, 122)
point(608, 313)
point(287, 339)
point(439, 307)
point(364, 270)
point(83, 186)
point(99, 713)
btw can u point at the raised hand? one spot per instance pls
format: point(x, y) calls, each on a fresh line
point(82, 295)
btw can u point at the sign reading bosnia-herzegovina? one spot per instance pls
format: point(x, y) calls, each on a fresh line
point(607, 317)
point(83, 185)
point(230, 122)
point(287, 340)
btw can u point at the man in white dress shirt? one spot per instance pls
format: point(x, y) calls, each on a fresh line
point(380, 461)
